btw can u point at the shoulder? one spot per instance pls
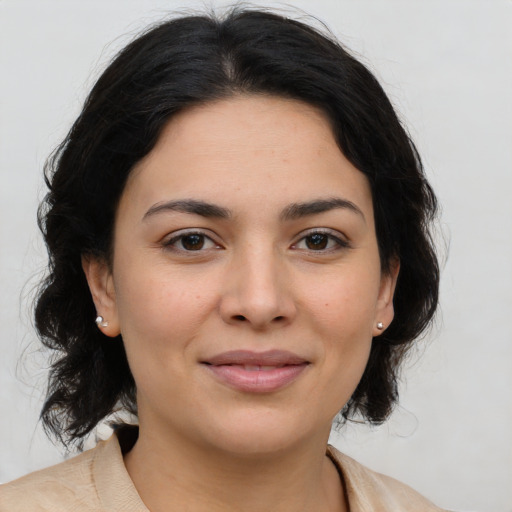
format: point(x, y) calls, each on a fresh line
point(93, 481)
point(368, 490)
point(66, 486)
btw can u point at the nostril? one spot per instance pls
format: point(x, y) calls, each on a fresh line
point(239, 317)
point(278, 318)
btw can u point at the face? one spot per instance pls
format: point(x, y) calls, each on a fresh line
point(246, 280)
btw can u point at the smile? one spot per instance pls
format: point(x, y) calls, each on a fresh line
point(253, 372)
point(256, 367)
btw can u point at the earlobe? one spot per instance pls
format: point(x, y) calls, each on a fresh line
point(385, 311)
point(101, 285)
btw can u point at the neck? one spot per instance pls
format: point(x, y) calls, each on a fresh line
point(170, 469)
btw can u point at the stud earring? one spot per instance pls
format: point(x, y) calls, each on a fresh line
point(100, 322)
point(380, 326)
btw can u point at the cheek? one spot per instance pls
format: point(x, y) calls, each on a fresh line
point(158, 310)
point(345, 303)
point(159, 321)
point(343, 315)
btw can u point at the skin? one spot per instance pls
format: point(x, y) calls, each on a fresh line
point(256, 281)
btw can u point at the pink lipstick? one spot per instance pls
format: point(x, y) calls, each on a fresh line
point(256, 372)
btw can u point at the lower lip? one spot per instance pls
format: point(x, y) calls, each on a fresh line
point(257, 381)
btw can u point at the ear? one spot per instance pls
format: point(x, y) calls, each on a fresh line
point(384, 312)
point(101, 285)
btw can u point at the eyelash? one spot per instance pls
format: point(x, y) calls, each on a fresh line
point(339, 242)
point(169, 244)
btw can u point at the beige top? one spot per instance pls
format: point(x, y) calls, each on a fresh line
point(97, 480)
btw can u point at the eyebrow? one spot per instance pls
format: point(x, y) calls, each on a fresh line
point(190, 206)
point(291, 212)
point(298, 210)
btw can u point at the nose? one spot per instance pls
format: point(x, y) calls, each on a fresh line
point(258, 292)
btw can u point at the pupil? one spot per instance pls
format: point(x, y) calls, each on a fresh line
point(192, 242)
point(317, 241)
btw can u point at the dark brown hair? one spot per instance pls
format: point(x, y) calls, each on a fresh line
point(188, 61)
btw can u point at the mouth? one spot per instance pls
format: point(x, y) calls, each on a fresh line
point(254, 372)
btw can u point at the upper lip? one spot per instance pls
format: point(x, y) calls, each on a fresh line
point(248, 357)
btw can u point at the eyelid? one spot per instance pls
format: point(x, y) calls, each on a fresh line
point(341, 240)
point(168, 241)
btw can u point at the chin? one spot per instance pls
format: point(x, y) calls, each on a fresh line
point(262, 433)
point(255, 444)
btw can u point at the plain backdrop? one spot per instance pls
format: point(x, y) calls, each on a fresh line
point(447, 66)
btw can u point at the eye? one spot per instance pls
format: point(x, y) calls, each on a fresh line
point(190, 242)
point(320, 241)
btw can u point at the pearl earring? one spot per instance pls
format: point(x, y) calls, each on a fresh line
point(380, 326)
point(100, 322)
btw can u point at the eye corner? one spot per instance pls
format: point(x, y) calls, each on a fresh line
point(321, 241)
point(192, 241)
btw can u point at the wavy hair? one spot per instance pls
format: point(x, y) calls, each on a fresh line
point(193, 60)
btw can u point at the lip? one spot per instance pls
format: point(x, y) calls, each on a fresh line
point(256, 372)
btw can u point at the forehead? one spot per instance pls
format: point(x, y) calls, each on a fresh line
point(247, 150)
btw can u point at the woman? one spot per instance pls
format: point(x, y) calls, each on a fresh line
point(238, 230)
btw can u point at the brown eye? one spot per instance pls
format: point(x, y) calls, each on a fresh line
point(317, 241)
point(321, 242)
point(193, 242)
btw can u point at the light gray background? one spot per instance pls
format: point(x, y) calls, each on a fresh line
point(447, 66)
